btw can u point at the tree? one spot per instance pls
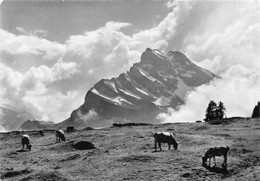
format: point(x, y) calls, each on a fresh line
point(220, 111)
point(211, 111)
point(215, 111)
point(256, 111)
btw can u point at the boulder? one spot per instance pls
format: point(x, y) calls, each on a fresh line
point(83, 145)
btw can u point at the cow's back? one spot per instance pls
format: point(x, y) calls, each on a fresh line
point(163, 137)
point(25, 139)
point(59, 133)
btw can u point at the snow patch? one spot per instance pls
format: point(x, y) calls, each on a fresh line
point(116, 100)
point(95, 92)
point(159, 54)
point(119, 100)
point(140, 90)
point(111, 85)
point(144, 73)
point(129, 93)
point(127, 77)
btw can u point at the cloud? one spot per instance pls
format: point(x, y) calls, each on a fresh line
point(50, 91)
point(238, 89)
point(225, 43)
point(36, 90)
point(30, 44)
point(38, 33)
point(170, 4)
point(2, 129)
point(50, 79)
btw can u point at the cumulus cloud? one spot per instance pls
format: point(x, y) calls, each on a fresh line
point(51, 79)
point(27, 45)
point(238, 88)
point(2, 129)
point(32, 91)
point(226, 44)
point(38, 33)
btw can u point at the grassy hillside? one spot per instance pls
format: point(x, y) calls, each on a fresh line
point(127, 153)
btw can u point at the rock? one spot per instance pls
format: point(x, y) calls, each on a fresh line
point(83, 145)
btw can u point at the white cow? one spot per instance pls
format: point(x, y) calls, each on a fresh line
point(26, 141)
point(60, 135)
point(164, 137)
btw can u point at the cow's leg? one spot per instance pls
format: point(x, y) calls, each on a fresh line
point(225, 161)
point(214, 158)
point(169, 146)
point(23, 146)
point(209, 161)
point(155, 145)
point(159, 143)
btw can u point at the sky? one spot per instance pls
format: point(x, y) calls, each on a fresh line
point(53, 52)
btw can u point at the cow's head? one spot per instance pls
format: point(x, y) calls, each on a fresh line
point(29, 146)
point(175, 145)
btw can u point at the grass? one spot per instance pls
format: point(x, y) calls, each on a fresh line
point(127, 153)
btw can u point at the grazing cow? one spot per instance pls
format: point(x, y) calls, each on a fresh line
point(164, 137)
point(26, 141)
point(70, 129)
point(215, 151)
point(60, 135)
point(41, 132)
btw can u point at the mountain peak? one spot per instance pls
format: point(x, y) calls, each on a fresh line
point(153, 57)
point(178, 57)
point(159, 81)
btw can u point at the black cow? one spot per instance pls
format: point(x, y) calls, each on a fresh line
point(215, 151)
point(70, 129)
point(41, 132)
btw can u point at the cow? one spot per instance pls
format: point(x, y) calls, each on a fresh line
point(164, 137)
point(26, 141)
point(41, 132)
point(215, 151)
point(70, 129)
point(60, 135)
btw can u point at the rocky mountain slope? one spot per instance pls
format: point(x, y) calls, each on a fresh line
point(157, 82)
point(35, 124)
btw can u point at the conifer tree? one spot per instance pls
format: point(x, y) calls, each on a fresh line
point(256, 111)
point(220, 112)
point(211, 111)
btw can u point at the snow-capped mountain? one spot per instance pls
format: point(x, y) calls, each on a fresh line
point(151, 86)
point(35, 124)
point(11, 119)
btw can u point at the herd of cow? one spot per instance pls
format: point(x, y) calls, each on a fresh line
point(159, 137)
